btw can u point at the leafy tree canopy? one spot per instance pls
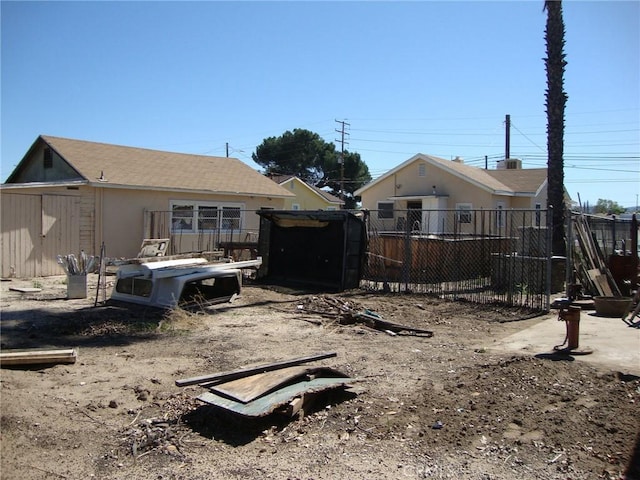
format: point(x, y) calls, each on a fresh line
point(608, 207)
point(306, 155)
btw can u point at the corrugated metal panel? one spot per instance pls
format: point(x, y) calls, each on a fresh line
point(20, 240)
point(60, 230)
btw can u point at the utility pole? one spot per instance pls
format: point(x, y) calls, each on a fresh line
point(507, 137)
point(342, 143)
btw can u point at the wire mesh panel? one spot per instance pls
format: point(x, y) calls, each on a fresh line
point(483, 256)
point(209, 229)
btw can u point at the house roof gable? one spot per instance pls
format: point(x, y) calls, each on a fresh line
point(515, 182)
point(326, 196)
point(102, 164)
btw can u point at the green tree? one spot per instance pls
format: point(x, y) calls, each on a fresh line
point(608, 207)
point(556, 99)
point(306, 155)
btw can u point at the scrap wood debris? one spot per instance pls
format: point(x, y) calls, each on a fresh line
point(167, 433)
point(347, 312)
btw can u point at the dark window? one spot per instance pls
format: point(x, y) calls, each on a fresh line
point(464, 213)
point(385, 210)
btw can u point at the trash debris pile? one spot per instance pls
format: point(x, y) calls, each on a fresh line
point(80, 265)
point(348, 313)
point(167, 433)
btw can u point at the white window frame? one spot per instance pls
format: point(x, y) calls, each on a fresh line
point(385, 210)
point(463, 212)
point(221, 220)
point(295, 206)
point(422, 169)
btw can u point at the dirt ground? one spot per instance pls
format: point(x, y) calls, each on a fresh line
point(444, 407)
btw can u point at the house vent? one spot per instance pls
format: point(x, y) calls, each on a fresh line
point(514, 164)
point(510, 164)
point(48, 158)
point(458, 160)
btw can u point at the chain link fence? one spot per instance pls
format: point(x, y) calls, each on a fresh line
point(482, 256)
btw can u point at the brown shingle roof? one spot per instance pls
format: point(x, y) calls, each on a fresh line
point(506, 182)
point(521, 180)
point(155, 169)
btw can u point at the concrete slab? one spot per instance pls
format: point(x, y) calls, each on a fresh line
point(615, 345)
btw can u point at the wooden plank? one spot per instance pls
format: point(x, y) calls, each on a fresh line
point(25, 289)
point(39, 356)
point(249, 388)
point(603, 283)
point(245, 372)
point(379, 323)
point(270, 402)
point(594, 273)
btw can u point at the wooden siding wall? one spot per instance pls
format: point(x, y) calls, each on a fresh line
point(60, 230)
point(20, 238)
point(88, 241)
point(35, 229)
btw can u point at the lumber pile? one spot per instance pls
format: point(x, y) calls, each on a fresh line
point(589, 264)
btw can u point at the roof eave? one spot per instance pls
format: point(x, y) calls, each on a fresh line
point(66, 183)
point(187, 190)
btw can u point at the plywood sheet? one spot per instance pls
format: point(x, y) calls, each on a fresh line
point(249, 388)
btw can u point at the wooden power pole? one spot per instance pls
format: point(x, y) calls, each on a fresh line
point(342, 133)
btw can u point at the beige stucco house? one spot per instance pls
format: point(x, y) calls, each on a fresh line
point(69, 195)
point(424, 185)
point(307, 197)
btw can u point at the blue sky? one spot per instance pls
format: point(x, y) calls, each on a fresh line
point(430, 77)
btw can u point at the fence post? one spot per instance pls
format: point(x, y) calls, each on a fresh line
point(406, 266)
point(569, 265)
point(548, 255)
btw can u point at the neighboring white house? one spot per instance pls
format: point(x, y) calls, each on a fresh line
point(424, 185)
point(307, 197)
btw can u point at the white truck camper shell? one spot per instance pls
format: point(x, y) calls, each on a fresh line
point(180, 282)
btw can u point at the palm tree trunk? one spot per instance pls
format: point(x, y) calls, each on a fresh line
point(556, 99)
